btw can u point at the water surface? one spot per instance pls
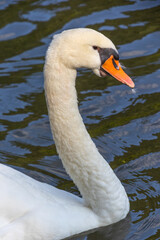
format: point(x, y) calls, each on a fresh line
point(124, 125)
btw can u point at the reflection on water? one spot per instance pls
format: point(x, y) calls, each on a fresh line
point(117, 231)
point(125, 125)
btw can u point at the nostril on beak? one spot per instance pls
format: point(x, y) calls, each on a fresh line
point(114, 64)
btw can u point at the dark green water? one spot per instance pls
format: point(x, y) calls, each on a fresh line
point(125, 126)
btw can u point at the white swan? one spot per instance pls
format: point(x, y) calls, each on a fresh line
point(31, 210)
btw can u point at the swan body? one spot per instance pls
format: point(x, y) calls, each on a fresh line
point(34, 210)
point(31, 210)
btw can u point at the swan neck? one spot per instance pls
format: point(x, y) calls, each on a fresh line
point(97, 183)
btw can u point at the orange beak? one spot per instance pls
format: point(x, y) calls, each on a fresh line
point(112, 67)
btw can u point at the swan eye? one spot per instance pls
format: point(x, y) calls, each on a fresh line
point(95, 47)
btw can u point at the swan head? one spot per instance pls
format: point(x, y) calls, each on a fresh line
point(83, 47)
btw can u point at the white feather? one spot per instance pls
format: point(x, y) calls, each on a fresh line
point(31, 210)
